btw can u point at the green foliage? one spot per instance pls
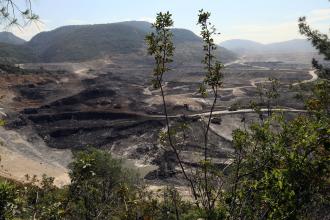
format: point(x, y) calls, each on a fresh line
point(321, 42)
point(282, 167)
point(160, 46)
point(284, 172)
point(7, 200)
point(32, 200)
point(214, 75)
point(209, 179)
point(319, 102)
point(42, 199)
point(100, 187)
point(321, 91)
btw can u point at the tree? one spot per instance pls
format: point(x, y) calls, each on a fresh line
point(211, 182)
point(100, 187)
point(321, 42)
point(9, 12)
point(160, 45)
point(321, 90)
point(281, 167)
point(7, 200)
point(13, 14)
point(205, 181)
point(281, 173)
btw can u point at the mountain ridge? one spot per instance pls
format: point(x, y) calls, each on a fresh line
point(253, 47)
point(85, 42)
point(10, 38)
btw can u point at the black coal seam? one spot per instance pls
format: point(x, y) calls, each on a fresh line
point(121, 136)
point(83, 96)
point(107, 140)
point(81, 116)
point(68, 132)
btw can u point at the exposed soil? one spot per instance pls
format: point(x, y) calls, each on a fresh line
point(111, 106)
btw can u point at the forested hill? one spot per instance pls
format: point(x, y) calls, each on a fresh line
point(9, 38)
point(85, 42)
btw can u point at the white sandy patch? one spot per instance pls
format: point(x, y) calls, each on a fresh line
point(16, 166)
point(19, 157)
point(146, 91)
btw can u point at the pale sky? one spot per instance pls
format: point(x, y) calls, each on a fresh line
point(264, 21)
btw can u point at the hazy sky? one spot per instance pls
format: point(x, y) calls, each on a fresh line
point(260, 20)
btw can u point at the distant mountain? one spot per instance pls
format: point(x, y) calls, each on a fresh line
point(9, 38)
point(245, 47)
point(83, 42)
point(123, 40)
point(241, 46)
point(296, 45)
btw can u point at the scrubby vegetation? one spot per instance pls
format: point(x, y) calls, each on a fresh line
point(100, 189)
point(280, 168)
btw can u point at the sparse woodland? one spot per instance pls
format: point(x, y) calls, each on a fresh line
point(280, 168)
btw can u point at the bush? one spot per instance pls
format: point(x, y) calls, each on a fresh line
point(7, 200)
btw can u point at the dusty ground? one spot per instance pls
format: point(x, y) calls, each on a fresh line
point(16, 166)
point(19, 157)
point(102, 104)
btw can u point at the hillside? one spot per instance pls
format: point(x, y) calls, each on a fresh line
point(84, 42)
point(9, 38)
point(242, 46)
point(252, 47)
point(296, 45)
point(116, 40)
point(76, 43)
point(10, 53)
point(12, 49)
